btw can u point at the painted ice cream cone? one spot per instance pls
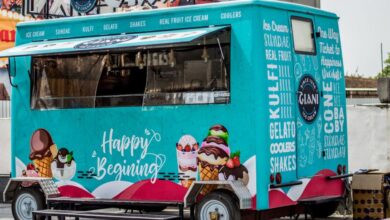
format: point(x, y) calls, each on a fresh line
point(207, 173)
point(187, 151)
point(219, 131)
point(211, 157)
point(41, 155)
point(43, 166)
point(187, 182)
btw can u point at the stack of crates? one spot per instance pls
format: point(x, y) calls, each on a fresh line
point(370, 193)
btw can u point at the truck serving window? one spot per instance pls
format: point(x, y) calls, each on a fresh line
point(303, 35)
point(180, 74)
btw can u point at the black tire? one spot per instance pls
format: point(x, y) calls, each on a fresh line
point(215, 201)
point(25, 201)
point(324, 210)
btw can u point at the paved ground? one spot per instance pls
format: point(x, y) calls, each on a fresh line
point(6, 213)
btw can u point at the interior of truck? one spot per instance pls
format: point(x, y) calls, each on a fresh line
point(175, 74)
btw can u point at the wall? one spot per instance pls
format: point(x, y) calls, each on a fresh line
point(313, 3)
point(5, 146)
point(4, 79)
point(5, 128)
point(369, 137)
point(63, 8)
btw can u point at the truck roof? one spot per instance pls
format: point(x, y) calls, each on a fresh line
point(162, 11)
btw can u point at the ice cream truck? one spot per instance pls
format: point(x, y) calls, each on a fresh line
point(232, 110)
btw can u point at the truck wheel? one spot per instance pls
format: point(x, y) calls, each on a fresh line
point(217, 206)
point(25, 202)
point(324, 210)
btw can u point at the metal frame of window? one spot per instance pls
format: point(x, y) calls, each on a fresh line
point(313, 34)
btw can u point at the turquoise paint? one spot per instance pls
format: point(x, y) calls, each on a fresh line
point(335, 138)
point(309, 144)
point(78, 45)
point(247, 117)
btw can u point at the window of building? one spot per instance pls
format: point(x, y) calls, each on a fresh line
point(303, 35)
point(178, 74)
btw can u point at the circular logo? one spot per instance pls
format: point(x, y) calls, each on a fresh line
point(105, 41)
point(308, 98)
point(83, 6)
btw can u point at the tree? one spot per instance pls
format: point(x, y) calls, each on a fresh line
point(386, 71)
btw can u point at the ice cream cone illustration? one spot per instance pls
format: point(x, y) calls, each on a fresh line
point(207, 171)
point(41, 146)
point(219, 131)
point(43, 166)
point(213, 154)
point(187, 151)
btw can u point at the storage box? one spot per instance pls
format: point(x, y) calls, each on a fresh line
point(384, 90)
point(369, 196)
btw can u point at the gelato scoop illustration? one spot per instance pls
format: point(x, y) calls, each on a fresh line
point(219, 131)
point(187, 151)
point(42, 150)
point(234, 170)
point(30, 171)
point(63, 166)
point(212, 156)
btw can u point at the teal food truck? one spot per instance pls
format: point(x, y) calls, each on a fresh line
point(218, 107)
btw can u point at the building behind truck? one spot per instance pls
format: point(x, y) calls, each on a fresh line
point(313, 3)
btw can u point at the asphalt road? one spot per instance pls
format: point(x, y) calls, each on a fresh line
point(6, 213)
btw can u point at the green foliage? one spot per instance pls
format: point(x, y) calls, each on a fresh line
point(386, 71)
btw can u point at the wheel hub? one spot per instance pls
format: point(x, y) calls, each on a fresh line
point(214, 210)
point(214, 215)
point(25, 205)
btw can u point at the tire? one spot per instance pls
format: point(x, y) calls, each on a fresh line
point(25, 201)
point(222, 204)
point(324, 210)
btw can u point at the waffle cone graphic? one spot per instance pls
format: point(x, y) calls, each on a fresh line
point(43, 166)
point(208, 173)
point(41, 152)
point(187, 183)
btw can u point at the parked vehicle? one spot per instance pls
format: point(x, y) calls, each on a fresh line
point(222, 107)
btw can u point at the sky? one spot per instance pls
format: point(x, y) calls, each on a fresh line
point(364, 25)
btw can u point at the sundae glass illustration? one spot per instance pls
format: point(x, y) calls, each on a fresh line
point(63, 166)
point(187, 152)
